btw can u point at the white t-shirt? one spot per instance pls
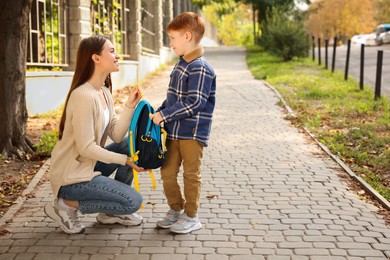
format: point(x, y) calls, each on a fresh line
point(106, 118)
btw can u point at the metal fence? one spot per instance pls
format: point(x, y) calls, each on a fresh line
point(148, 24)
point(48, 38)
point(165, 20)
point(111, 18)
point(47, 43)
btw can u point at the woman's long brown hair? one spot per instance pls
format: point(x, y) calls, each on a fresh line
point(84, 69)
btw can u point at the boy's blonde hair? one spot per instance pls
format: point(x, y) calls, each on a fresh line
point(188, 21)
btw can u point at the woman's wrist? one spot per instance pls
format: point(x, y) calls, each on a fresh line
point(129, 160)
point(130, 106)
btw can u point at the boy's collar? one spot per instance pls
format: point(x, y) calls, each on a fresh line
point(194, 54)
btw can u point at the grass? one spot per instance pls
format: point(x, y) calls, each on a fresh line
point(347, 120)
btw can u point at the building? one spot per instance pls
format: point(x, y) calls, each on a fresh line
point(136, 27)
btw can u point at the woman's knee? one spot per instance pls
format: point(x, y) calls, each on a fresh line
point(123, 146)
point(133, 203)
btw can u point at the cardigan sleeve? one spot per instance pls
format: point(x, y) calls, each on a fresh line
point(118, 126)
point(87, 128)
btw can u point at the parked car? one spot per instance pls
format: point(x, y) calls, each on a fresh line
point(382, 32)
point(366, 39)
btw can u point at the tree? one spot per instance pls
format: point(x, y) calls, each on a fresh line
point(233, 23)
point(260, 7)
point(284, 36)
point(14, 27)
point(382, 11)
point(329, 18)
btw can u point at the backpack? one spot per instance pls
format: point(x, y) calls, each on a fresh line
point(146, 141)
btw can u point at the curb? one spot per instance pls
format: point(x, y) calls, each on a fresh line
point(363, 183)
point(29, 189)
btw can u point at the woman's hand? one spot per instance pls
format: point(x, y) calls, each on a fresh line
point(135, 166)
point(134, 97)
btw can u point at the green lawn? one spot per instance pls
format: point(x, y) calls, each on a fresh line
point(348, 121)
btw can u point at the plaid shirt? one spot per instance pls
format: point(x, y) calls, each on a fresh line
point(188, 108)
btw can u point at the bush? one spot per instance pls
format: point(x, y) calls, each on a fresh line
point(47, 142)
point(284, 36)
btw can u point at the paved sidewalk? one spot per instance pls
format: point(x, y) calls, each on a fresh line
point(269, 192)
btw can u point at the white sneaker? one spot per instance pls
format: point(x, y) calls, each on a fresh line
point(125, 220)
point(67, 218)
point(185, 224)
point(170, 218)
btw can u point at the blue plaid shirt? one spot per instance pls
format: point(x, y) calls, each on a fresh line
point(188, 109)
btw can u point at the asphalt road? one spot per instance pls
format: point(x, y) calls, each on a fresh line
point(370, 61)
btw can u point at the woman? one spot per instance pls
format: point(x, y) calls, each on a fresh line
point(80, 166)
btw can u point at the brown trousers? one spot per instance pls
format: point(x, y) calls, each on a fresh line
point(189, 153)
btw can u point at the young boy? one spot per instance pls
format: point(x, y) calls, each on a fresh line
point(187, 115)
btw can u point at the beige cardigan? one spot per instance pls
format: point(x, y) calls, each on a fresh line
point(74, 157)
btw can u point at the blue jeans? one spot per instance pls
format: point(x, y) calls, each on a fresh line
point(124, 173)
point(104, 194)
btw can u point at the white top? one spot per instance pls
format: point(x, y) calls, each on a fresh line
point(106, 118)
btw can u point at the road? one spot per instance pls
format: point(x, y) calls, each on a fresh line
point(370, 62)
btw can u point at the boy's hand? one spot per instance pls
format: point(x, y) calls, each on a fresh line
point(156, 118)
point(134, 97)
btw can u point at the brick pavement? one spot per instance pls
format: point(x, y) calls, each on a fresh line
point(269, 192)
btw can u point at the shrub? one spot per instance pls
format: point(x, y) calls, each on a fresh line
point(284, 36)
point(47, 142)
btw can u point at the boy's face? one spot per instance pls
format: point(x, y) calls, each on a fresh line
point(180, 41)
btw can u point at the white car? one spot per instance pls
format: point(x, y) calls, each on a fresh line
point(366, 39)
point(384, 38)
point(382, 34)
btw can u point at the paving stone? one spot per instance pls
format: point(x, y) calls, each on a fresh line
point(278, 196)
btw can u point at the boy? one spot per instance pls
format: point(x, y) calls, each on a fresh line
point(187, 115)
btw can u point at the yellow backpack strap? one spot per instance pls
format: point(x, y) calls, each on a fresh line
point(136, 184)
point(136, 180)
point(134, 157)
point(163, 139)
point(153, 179)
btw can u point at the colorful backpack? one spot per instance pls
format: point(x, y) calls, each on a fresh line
point(146, 141)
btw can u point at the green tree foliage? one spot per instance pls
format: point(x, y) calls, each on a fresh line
point(264, 6)
point(233, 24)
point(223, 9)
point(284, 36)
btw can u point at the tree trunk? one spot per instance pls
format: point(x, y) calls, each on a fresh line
point(13, 50)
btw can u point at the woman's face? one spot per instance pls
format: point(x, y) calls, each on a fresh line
point(108, 59)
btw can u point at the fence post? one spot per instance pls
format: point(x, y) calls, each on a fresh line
point(314, 47)
point(326, 53)
point(334, 53)
point(361, 66)
point(378, 79)
point(347, 60)
point(319, 51)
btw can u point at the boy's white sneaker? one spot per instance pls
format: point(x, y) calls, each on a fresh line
point(125, 220)
point(185, 224)
point(67, 218)
point(170, 218)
